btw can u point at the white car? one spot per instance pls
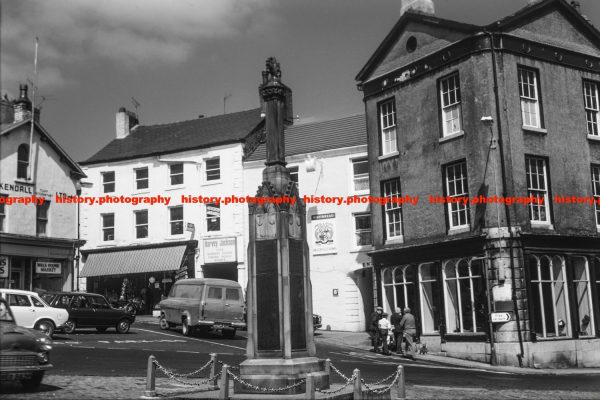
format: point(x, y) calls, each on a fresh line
point(30, 311)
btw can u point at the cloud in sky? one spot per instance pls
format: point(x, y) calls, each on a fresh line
point(129, 33)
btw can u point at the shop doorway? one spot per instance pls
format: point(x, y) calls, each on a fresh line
point(17, 278)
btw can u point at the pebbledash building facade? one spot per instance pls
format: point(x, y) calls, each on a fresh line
point(508, 109)
point(38, 241)
point(152, 245)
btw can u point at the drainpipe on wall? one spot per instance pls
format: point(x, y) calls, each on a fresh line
point(504, 194)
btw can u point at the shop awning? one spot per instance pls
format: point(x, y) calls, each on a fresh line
point(133, 261)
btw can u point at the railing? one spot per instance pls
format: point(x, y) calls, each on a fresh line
point(220, 381)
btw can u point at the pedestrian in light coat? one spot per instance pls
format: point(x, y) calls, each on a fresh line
point(384, 328)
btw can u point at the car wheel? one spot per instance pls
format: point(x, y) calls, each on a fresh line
point(45, 326)
point(186, 329)
point(70, 326)
point(164, 324)
point(34, 382)
point(123, 326)
point(101, 329)
point(228, 333)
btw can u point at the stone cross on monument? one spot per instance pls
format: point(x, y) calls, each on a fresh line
point(281, 349)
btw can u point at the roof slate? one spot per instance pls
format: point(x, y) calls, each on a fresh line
point(179, 136)
point(319, 136)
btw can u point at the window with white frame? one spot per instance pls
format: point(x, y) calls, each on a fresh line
point(294, 175)
point(22, 161)
point(596, 191)
point(2, 212)
point(141, 178)
point(450, 103)
point(537, 186)
point(213, 169)
point(387, 124)
point(176, 173)
point(108, 227)
point(392, 210)
point(108, 181)
point(176, 220)
point(213, 217)
point(141, 224)
point(457, 187)
point(430, 297)
point(360, 174)
point(549, 296)
point(530, 99)
point(464, 291)
point(42, 218)
point(583, 295)
point(362, 230)
point(590, 99)
point(399, 287)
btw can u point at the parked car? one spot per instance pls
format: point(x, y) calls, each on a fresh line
point(90, 310)
point(24, 352)
point(203, 305)
point(316, 322)
point(30, 311)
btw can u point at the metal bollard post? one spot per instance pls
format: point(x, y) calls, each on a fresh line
point(399, 388)
point(357, 392)
point(150, 378)
point(224, 383)
point(212, 381)
point(328, 367)
point(309, 394)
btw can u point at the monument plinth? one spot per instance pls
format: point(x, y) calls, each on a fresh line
point(280, 350)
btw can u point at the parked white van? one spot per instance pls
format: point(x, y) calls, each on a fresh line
point(30, 311)
point(202, 305)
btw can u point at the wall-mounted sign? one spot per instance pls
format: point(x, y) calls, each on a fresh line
point(4, 266)
point(190, 227)
point(500, 317)
point(323, 234)
point(220, 250)
point(43, 267)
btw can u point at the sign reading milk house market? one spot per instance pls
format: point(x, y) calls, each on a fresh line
point(220, 250)
point(42, 267)
point(323, 229)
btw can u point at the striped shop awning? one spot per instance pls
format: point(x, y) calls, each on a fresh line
point(133, 261)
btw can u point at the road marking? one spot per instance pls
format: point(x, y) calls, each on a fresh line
point(103, 341)
point(56, 342)
point(191, 338)
point(185, 351)
point(85, 347)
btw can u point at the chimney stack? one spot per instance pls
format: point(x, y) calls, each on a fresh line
point(22, 105)
point(126, 121)
point(421, 6)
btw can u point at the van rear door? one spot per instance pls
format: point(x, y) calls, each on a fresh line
point(213, 303)
point(234, 304)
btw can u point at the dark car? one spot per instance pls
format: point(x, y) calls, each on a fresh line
point(90, 310)
point(316, 322)
point(24, 352)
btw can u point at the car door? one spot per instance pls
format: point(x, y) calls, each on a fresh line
point(234, 304)
point(104, 315)
point(22, 309)
point(213, 303)
point(81, 311)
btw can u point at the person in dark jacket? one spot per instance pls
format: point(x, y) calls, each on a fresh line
point(395, 320)
point(409, 327)
point(374, 328)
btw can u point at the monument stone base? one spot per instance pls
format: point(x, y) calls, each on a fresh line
point(278, 372)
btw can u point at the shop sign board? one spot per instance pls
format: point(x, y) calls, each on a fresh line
point(3, 266)
point(501, 317)
point(44, 267)
point(323, 233)
point(220, 250)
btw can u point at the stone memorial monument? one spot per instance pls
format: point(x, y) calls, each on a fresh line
point(281, 349)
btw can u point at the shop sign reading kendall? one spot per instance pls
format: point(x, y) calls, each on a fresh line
point(42, 267)
point(220, 250)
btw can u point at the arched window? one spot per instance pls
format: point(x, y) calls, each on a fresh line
point(430, 297)
point(22, 161)
point(399, 287)
point(583, 293)
point(466, 301)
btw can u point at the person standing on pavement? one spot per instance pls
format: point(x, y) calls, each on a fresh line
point(409, 327)
point(384, 329)
point(395, 321)
point(374, 328)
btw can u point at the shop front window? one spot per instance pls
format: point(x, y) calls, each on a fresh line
point(464, 291)
point(430, 297)
point(581, 283)
point(549, 296)
point(399, 287)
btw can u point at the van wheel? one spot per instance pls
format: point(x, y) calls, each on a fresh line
point(186, 329)
point(164, 324)
point(228, 333)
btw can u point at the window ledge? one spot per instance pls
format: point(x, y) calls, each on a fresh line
point(137, 193)
point(456, 231)
point(452, 136)
point(595, 138)
point(25, 181)
point(175, 187)
point(549, 339)
point(209, 183)
point(396, 240)
point(389, 155)
point(176, 237)
point(361, 193)
point(542, 225)
point(108, 243)
point(533, 129)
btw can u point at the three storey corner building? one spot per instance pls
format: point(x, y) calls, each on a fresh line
point(495, 129)
point(161, 216)
point(38, 234)
point(328, 160)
